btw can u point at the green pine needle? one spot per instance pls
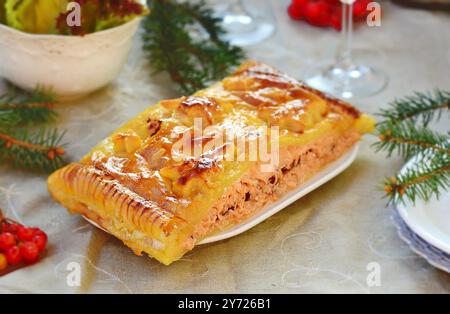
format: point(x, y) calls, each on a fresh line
point(405, 132)
point(427, 106)
point(430, 176)
point(26, 108)
point(22, 143)
point(38, 150)
point(406, 139)
point(184, 40)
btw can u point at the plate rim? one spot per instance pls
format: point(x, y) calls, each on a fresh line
point(407, 237)
point(416, 226)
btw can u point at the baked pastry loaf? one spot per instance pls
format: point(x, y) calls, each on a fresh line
point(173, 174)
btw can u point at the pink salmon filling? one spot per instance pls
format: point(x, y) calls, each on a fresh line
point(258, 189)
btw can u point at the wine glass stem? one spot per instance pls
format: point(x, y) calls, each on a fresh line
point(238, 7)
point(344, 53)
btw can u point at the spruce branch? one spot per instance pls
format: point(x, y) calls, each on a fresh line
point(26, 108)
point(22, 142)
point(426, 178)
point(39, 150)
point(184, 40)
point(406, 139)
point(427, 106)
point(405, 132)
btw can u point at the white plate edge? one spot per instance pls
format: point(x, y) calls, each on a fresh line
point(420, 231)
point(409, 242)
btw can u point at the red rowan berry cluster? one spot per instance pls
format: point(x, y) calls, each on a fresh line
point(20, 244)
point(325, 13)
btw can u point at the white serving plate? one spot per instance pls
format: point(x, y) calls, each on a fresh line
point(431, 220)
point(433, 255)
point(319, 179)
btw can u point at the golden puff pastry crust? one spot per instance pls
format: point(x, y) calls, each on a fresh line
point(164, 181)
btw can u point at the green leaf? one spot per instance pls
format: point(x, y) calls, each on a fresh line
point(2, 12)
point(34, 16)
point(99, 15)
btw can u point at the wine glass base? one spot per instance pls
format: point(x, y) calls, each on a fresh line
point(244, 30)
point(349, 82)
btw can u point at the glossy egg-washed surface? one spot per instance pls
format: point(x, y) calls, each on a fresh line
point(135, 185)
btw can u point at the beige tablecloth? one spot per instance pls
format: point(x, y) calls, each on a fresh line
point(322, 243)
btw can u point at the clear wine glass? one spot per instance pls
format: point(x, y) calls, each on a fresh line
point(243, 27)
point(345, 78)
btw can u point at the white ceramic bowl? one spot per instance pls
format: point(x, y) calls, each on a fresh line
point(73, 66)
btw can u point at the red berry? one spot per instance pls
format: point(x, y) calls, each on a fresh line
point(3, 262)
point(300, 3)
point(295, 12)
point(7, 240)
point(4, 227)
point(360, 8)
point(13, 228)
point(336, 19)
point(41, 241)
point(334, 3)
point(29, 251)
point(13, 255)
point(25, 234)
point(336, 23)
point(318, 13)
point(38, 231)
